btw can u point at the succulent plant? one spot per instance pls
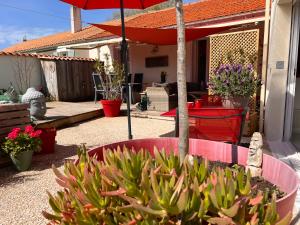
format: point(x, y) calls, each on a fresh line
point(133, 187)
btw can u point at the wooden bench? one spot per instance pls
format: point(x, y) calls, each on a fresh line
point(13, 115)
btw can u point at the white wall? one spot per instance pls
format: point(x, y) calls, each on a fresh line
point(8, 66)
point(106, 50)
point(94, 53)
point(139, 52)
point(277, 78)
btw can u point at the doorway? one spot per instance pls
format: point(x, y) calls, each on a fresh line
point(292, 114)
point(202, 62)
point(295, 139)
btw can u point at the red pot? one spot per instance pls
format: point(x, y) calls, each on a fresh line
point(48, 140)
point(274, 170)
point(111, 108)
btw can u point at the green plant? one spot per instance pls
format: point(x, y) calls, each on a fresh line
point(130, 187)
point(111, 76)
point(19, 141)
point(234, 77)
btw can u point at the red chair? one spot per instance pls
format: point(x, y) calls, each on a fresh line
point(216, 124)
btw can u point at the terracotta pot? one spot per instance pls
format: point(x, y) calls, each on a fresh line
point(274, 170)
point(111, 108)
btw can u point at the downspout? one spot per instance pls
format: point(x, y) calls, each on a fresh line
point(264, 66)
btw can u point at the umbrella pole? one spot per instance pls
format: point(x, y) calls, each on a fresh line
point(125, 63)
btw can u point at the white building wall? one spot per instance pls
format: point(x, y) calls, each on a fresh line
point(139, 52)
point(94, 53)
point(81, 53)
point(280, 32)
point(8, 65)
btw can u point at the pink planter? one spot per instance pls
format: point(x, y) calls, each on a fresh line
point(274, 170)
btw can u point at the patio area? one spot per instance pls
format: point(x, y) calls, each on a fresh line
point(23, 194)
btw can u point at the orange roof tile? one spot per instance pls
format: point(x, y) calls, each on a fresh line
point(194, 12)
point(43, 56)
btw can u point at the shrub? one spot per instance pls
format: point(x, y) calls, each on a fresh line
point(134, 188)
point(111, 76)
point(231, 80)
point(234, 77)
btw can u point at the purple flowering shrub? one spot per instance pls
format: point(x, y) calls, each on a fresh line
point(234, 80)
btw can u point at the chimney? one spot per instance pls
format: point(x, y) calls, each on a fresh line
point(75, 19)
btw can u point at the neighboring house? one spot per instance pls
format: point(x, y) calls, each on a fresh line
point(282, 108)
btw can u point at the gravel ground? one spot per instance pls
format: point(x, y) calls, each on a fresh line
point(23, 195)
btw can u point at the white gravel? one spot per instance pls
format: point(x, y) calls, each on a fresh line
point(23, 195)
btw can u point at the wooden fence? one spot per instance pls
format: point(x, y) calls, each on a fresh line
point(68, 80)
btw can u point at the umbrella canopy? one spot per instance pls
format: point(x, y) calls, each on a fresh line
point(113, 4)
point(158, 36)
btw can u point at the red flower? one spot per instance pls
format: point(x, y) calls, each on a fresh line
point(35, 134)
point(13, 135)
point(29, 129)
point(17, 130)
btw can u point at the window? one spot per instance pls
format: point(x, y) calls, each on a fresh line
point(158, 61)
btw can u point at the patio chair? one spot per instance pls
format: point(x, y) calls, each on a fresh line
point(123, 92)
point(97, 86)
point(138, 82)
point(216, 124)
point(137, 87)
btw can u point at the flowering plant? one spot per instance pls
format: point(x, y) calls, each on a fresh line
point(18, 141)
point(234, 80)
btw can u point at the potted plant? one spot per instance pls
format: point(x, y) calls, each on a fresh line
point(236, 81)
point(112, 77)
point(153, 187)
point(20, 146)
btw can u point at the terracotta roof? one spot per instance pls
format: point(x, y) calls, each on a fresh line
point(43, 56)
point(194, 12)
point(198, 11)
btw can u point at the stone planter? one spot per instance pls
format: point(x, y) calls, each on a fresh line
point(22, 161)
point(274, 170)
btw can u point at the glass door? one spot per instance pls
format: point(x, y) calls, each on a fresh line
point(292, 114)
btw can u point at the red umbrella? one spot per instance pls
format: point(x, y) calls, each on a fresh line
point(112, 4)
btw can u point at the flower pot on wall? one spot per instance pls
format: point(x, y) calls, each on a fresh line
point(22, 161)
point(274, 170)
point(111, 108)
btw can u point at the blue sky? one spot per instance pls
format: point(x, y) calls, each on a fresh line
point(36, 18)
